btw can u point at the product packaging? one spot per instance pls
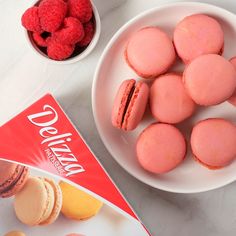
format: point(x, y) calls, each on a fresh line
point(43, 139)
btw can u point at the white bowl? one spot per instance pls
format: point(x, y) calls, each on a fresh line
point(78, 57)
point(190, 176)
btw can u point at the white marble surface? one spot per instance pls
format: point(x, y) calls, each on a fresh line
point(24, 77)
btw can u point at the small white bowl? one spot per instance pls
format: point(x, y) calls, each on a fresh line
point(78, 57)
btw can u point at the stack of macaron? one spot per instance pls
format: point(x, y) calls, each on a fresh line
point(38, 201)
point(207, 79)
point(60, 29)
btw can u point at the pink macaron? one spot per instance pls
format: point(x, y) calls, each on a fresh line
point(160, 148)
point(232, 99)
point(213, 142)
point(12, 178)
point(169, 101)
point(129, 104)
point(150, 52)
point(210, 79)
point(196, 35)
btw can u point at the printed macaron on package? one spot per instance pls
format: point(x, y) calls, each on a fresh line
point(52, 184)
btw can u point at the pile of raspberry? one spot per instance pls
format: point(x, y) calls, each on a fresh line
point(60, 28)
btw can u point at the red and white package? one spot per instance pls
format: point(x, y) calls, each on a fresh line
point(43, 139)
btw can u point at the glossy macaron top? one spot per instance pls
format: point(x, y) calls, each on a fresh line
point(77, 204)
point(12, 178)
point(160, 148)
point(210, 79)
point(196, 35)
point(150, 52)
point(213, 142)
point(169, 100)
point(36, 203)
point(232, 99)
point(129, 104)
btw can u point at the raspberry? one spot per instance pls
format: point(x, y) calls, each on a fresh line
point(30, 20)
point(52, 14)
point(89, 33)
point(39, 39)
point(72, 31)
point(82, 9)
point(59, 51)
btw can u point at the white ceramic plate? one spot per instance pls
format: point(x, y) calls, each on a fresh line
point(189, 177)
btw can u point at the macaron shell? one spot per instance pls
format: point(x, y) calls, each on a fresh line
point(49, 204)
point(210, 79)
point(160, 148)
point(77, 204)
point(150, 52)
point(169, 101)
point(7, 170)
point(18, 175)
point(213, 142)
point(136, 107)
point(15, 233)
point(232, 99)
point(8, 173)
point(196, 35)
point(57, 202)
point(31, 202)
point(120, 102)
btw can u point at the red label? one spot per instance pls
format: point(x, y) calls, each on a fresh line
point(42, 136)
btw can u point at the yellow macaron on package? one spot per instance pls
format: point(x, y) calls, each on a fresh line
point(52, 184)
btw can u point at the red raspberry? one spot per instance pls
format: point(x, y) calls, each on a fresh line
point(89, 33)
point(59, 51)
point(82, 9)
point(30, 20)
point(39, 40)
point(71, 33)
point(52, 14)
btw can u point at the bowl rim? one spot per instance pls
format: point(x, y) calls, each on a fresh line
point(95, 84)
point(78, 57)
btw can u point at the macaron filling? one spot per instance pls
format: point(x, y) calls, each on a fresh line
point(131, 93)
point(20, 170)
